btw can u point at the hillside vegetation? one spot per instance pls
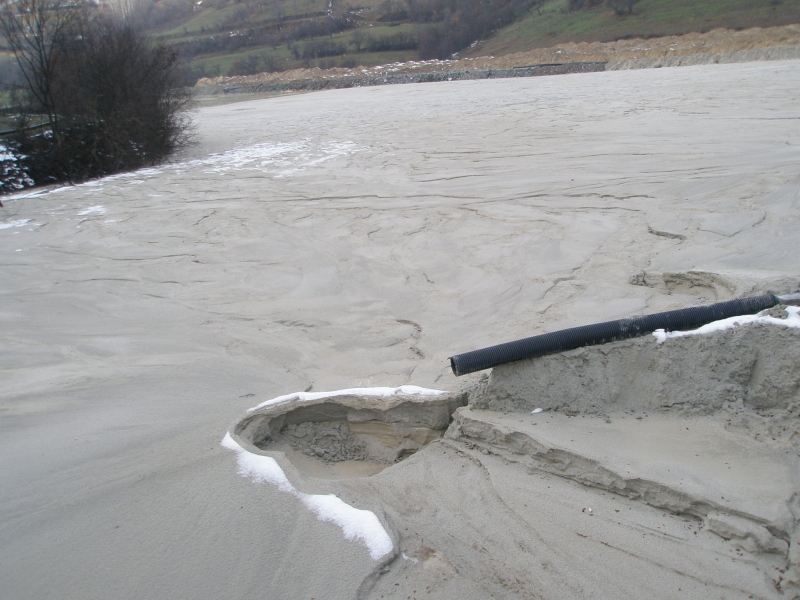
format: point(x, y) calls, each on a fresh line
point(240, 37)
point(556, 24)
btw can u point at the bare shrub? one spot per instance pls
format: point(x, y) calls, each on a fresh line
point(111, 101)
point(621, 7)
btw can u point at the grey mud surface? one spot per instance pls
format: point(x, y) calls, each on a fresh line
point(359, 237)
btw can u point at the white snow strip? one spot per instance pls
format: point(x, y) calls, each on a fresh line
point(287, 158)
point(792, 320)
point(536, 411)
point(374, 391)
point(261, 469)
point(356, 524)
point(18, 223)
point(29, 194)
point(274, 159)
point(93, 209)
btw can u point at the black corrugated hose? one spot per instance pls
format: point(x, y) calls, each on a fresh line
point(602, 333)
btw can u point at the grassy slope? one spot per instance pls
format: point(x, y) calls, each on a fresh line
point(284, 58)
point(650, 18)
point(211, 19)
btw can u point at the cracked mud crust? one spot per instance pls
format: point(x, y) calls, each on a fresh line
point(288, 248)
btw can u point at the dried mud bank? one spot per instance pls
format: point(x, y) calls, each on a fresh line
point(706, 58)
point(753, 367)
point(703, 425)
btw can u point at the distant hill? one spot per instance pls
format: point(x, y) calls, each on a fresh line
point(556, 24)
point(229, 37)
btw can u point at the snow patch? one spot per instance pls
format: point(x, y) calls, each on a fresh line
point(373, 391)
point(19, 223)
point(282, 158)
point(275, 159)
point(356, 524)
point(792, 320)
point(93, 209)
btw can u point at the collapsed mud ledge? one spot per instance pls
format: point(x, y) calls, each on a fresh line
point(702, 425)
point(737, 390)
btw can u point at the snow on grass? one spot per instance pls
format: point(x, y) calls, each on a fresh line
point(13, 174)
point(356, 524)
point(18, 223)
point(384, 392)
point(792, 320)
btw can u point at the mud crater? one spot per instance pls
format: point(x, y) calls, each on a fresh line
point(337, 441)
point(349, 435)
point(328, 440)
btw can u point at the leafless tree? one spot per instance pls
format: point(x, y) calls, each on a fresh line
point(123, 9)
point(357, 39)
point(36, 31)
point(111, 99)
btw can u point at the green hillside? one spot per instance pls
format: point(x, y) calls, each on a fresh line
point(239, 37)
point(649, 18)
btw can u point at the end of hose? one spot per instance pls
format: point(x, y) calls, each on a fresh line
point(454, 365)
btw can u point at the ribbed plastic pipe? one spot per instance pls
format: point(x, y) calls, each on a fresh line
point(602, 333)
